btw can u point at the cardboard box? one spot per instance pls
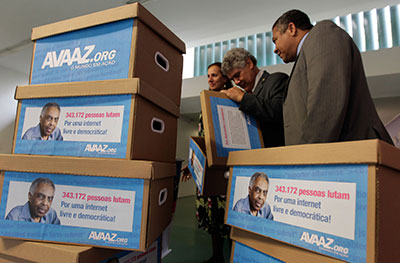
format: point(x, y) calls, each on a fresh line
point(27, 251)
point(151, 255)
point(242, 253)
point(247, 245)
point(118, 204)
point(337, 199)
point(12, 250)
point(226, 128)
point(121, 42)
point(209, 181)
point(110, 119)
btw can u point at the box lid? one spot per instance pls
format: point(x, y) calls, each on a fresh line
point(46, 252)
point(364, 151)
point(278, 249)
point(220, 116)
point(86, 166)
point(107, 16)
point(94, 88)
point(200, 142)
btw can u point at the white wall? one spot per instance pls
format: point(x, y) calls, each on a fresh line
point(9, 80)
point(388, 108)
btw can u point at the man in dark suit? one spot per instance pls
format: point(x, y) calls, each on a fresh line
point(261, 95)
point(327, 99)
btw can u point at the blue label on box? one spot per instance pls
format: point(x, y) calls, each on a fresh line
point(152, 255)
point(233, 129)
point(91, 210)
point(196, 164)
point(96, 53)
point(243, 253)
point(93, 126)
point(318, 207)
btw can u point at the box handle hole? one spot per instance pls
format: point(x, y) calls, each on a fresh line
point(161, 61)
point(157, 125)
point(226, 174)
point(162, 196)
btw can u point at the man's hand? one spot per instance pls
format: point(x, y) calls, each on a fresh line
point(234, 94)
point(186, 174)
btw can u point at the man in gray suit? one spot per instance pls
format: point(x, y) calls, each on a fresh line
point(261, 95)
point(327, 98)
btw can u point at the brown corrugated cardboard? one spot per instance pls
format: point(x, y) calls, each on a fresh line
point(377, 200)
point(93, 88)
point(148, 106)
point(12, 250)
point(365, 151)
point(213, 180)
point(107, 16)
point(277, 249)
point(156, 53)
point(155, 204)
point(210, 116)
point(28, 251)
point(86, 166)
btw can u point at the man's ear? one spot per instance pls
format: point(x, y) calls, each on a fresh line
point(249, 189)
point(292, 29)
point(250, 63)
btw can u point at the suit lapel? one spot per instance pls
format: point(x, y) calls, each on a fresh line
point(290, 77)
point(261, 82)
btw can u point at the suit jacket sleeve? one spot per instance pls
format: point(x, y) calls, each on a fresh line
point(328, 61)
point(265, 104)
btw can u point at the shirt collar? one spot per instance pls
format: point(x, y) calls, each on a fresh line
point(25, 213)
point(301, 43)
point(258, 77)
point(259, 212)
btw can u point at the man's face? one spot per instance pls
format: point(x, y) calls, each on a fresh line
point(244, 77)
point(49, 120)
point(258, 194)
point(285, 43)
point(40, 201)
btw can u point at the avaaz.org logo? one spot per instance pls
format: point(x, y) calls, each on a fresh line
point(325, 243)
point(78, 57)
point(100, 148)
point(107, 237)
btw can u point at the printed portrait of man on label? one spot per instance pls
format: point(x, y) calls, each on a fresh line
point(255, 203)
point(47, 128)
point(38, 207)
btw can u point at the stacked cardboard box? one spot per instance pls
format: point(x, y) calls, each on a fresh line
point(28, 252)
point(244, 253)
point(226, 129)
point(329, 202)
point(111, 81)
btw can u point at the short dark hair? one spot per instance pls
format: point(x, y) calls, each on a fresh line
point(38, 181)
point(218, 64)
point(297, 17)
point(49, 105)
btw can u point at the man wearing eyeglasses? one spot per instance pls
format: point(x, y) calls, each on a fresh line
point(38, 208)
point(256, 202)
point(47, 127)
